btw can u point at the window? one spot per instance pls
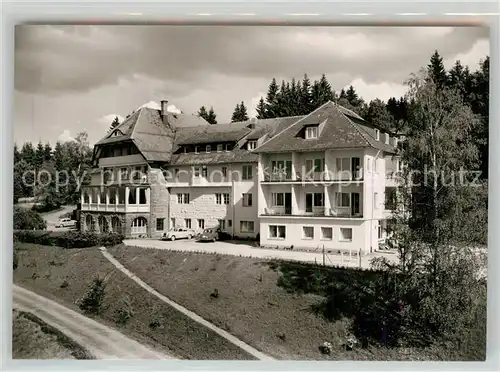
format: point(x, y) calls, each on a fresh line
point(278, 199)
point(343, 199)
point(201, 223)
point(186, 150)
point(131, 196)
point(319, 165)
point(220, 148)
point(311, 132)
point(277, 232)
point(309, 165)
point(196, 149)
point(182, 198)
point(172, 222)
point(224, 172)
point(226, 198)
point(228, 147)
point(326, 233)
point(229, 223)
point(369, 164)
point(142, 196)
point(375, 200)
point(208, 148)
point(377, 134)
point(343, 164)
point(251, 145)
point(137, 173)
point(380, 232)
point(307, 232)
point(387, 138)
point(204, 171)
point(346, 234)
point(112, 195)
point(124, 173)
point(139, 225)
point(160, 224)
point(218, 198)
point(247, 172)
point(222, 224)
point(196, 172)
point(187, 222)
point(107, 174)
point(246, 226)
point(319, 199)
point(247, 200)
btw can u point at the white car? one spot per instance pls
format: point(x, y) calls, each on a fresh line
point(178, 233)
point(66, 222)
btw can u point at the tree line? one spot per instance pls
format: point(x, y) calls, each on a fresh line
point(51, 175)
point(301, 97)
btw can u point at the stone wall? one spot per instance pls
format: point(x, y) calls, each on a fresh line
point(159, 202)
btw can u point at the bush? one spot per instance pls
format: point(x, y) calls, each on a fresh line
point(124, 311)
point(44, 208)
point(68, 239)
point(93, 300)
point(28, 220)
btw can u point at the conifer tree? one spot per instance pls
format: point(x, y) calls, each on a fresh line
point(211, 116)
point(114, 124)
point(261, 109)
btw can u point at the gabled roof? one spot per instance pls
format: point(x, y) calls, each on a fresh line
point(210, 134)
point(342, 128)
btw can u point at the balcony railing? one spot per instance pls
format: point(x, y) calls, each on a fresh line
point(315, 213)
point(314, 176)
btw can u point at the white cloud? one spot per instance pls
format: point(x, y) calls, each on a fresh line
point(65, 136)
point(152, 105)
point(383, 91)
point(471, 58)
point(108, 119)
point(173, 109)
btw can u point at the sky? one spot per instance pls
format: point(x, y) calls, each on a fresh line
point(70, 79)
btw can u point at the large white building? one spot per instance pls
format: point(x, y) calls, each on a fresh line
point(311, 181)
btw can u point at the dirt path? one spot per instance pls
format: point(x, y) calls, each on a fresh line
point(101, 341)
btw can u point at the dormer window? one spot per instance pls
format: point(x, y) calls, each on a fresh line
point(208, 148)
point(377, 134)
point(185, 150)
point(251, 145)
point(228, 147)
point(220, 148)
point(312, 132)
point(197, 149)
point(387, 138)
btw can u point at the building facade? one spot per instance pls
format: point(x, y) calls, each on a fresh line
point(313, 181)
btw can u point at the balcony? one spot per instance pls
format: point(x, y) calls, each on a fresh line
point(286, 177)
point(316, 212)
point(120, 208)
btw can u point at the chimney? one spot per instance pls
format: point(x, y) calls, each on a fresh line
point(163, 104)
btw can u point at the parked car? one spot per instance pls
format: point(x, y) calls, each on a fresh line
point(178, 233)
point(208, 235)
point(66, 222)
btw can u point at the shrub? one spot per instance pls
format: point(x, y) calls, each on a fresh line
point(68, 239)
point(28, 220)
point(94, 298)
point(124, 311)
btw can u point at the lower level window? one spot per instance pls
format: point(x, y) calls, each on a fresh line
point(308, 232)
point(346, 234)
point(230, 223)
point(246, 226)
point(277, 231)
point(172, 222)
point(380, 232)
point(201, 223)
point(326, 233)
point(160, 224)
point(222, 224)
point(187, 222)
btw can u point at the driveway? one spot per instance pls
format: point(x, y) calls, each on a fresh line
point(52, 218)
point(99, 340)
point(245, 250)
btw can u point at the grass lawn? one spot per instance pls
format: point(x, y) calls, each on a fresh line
point(44, 269)
point(255, 303)
point(34, 339)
